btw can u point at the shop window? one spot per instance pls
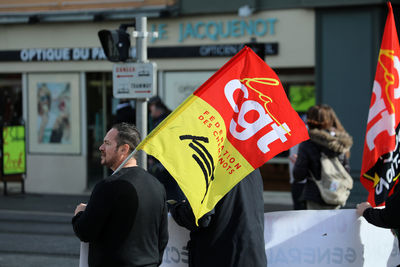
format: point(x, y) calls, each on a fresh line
point(10, 99)
point(178, 85)
point(12, 156)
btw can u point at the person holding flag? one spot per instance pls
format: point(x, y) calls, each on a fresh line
point(125, 221)
point(213, 144)
point(380, 167)
point(232, 234)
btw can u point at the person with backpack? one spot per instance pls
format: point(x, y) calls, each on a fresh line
point(328, 140)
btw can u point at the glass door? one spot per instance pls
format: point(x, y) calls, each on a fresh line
point(99, 119)
point(10, 99)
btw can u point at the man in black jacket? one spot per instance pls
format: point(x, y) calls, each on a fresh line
point(232, 234)
point(125, 221)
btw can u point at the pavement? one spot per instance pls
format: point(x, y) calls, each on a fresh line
point(64, 204)
point(277, 201)
point(43, 203)
point(36, 231)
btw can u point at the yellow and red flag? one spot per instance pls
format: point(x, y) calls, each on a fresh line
point(235, 122)
point(381, 159)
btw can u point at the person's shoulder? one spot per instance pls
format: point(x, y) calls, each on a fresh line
point(138, 173)
point(121, 181)
point(139, 176)
point(309, 148)
point(308, 144)
point(151, 178)
point(101, 183)
point(103, 186)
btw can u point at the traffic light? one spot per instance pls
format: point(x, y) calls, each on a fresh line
point(115, 43)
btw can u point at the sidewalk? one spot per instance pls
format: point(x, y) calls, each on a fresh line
point(277, 201)
point(42, 203)
point(65, 204)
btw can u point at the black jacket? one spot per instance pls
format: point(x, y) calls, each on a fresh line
point(388, 217)
point(231, 235)
point(309, 159)
point(125, 221)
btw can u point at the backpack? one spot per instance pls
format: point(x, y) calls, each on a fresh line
point(335, 183)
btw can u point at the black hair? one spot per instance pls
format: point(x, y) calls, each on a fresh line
point(158, 103)
point(127, 134)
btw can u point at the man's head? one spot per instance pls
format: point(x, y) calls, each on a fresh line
point(157, 107)
point(118, 143)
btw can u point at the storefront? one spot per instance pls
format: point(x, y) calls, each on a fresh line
point(54, 78)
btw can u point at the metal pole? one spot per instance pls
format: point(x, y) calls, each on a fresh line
point(141, 104)
point(104, 115)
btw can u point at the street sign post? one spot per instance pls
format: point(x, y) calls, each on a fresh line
point(134, 80)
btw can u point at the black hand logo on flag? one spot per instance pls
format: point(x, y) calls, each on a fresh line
point(203, 158)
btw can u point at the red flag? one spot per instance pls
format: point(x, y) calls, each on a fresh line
point(381, 161)
point(255, 108)
point(236, 121)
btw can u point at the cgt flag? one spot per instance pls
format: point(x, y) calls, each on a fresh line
point(232, 124)
point(380, 166)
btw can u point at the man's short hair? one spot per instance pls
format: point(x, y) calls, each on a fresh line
point(127, 134)
point(159, 104)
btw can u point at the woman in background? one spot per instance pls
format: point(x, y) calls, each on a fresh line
point(327, 135)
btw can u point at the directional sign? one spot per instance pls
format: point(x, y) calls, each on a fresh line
point(134, 80)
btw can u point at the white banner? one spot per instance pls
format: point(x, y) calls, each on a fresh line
point(176, 254)
point(327, 238)
point(307, 238)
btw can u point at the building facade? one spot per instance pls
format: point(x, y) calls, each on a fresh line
point(55, 79)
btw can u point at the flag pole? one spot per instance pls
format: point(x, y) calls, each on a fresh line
point(124, 162)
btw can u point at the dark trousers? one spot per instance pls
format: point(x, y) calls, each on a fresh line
point(297, 191)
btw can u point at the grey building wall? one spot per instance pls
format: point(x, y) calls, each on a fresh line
point(347, 46)
point(192, 7)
